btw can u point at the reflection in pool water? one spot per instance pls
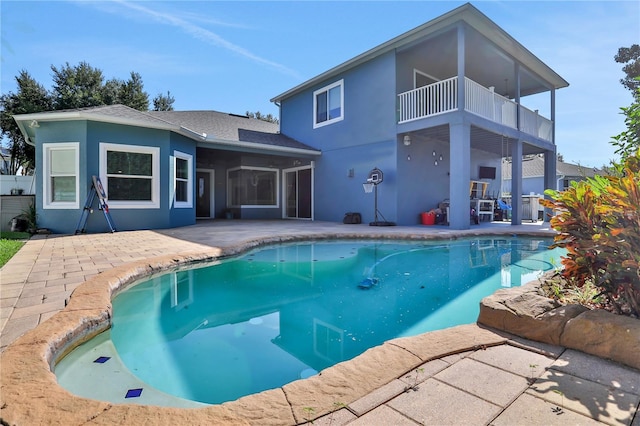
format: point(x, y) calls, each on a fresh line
point(285, 312)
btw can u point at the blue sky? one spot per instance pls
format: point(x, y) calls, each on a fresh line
point(235, 56)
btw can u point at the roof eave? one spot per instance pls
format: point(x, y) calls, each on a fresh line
point(29, 138)
point(259, 146)
point(83, 115)
point(23, 119)
point(469, 14)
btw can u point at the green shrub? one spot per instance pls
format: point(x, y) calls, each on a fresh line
point(598, 223)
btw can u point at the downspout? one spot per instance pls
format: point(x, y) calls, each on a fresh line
point(279, 114)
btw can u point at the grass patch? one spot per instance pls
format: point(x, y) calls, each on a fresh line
point(11, 235)
point(8, 248)
point(10, 243)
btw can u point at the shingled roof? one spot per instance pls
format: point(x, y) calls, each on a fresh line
point(219, 126)
point(534, 167)
point(206, 127)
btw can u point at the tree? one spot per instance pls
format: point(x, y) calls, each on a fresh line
point(630, 56)
point(31, 97)
point(628, 142)
point(163, 103)
point(132, 95)
point(82, 86)
point(111, 91)
point(258, 115)
point(74, 87)
point(77, 87)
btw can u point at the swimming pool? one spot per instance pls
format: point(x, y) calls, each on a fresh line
point(285, 312)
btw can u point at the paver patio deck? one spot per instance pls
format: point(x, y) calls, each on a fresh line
point(495, 384)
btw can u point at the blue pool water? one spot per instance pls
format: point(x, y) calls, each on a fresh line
point(285, 312)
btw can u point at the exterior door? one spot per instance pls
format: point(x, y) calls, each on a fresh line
point(298, 190)
point(204, 194)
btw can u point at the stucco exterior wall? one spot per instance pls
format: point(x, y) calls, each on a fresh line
point(90, 135)
point(61, 220)
point(363, 140)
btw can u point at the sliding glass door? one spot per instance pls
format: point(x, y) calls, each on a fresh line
point(298, 192)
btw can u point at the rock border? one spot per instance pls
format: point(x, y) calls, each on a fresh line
point(525, 312)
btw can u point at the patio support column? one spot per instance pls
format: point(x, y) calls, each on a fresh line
point(516, 95)
point(516, 182)
point(550, 159)
point(553, 116)
point(460, 175)
point(550, 178)
point(461, 67)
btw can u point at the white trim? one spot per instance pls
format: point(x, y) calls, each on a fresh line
point(313, 190)
point(154, 203)
point(47, 202)
point(339, 83)
point(255, 206)
point(311, 167)
point(189, 159)
point(177, 278)
point(257, 146)
point(92, 115)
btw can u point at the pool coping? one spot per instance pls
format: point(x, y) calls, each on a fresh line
point(27, 363)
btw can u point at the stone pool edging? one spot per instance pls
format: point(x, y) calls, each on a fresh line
point(30, 393)
point(525, 312)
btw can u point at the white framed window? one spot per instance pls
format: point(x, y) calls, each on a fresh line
point(182, 180)
point(328, 104)
point(130, 175)
point(61, 175)
point(252, 187)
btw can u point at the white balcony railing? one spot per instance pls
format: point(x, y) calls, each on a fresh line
point(430, 100)
point(534, 124)
point(488, 104)
point(441, 97)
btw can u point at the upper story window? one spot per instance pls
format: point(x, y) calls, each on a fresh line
point(131, 175)
point(61, 170)
point(183, 170)
point(328, 104)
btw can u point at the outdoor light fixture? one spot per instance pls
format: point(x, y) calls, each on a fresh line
point(436, 158)
point(407, 140)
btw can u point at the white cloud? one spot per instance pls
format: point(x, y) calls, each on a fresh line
point(204, 35)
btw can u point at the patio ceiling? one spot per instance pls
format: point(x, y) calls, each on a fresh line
point(485, 63)
point(481, 139)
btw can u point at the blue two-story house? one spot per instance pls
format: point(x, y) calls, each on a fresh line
point(433, 111)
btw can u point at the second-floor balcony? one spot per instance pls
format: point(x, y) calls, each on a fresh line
point(442, 97)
